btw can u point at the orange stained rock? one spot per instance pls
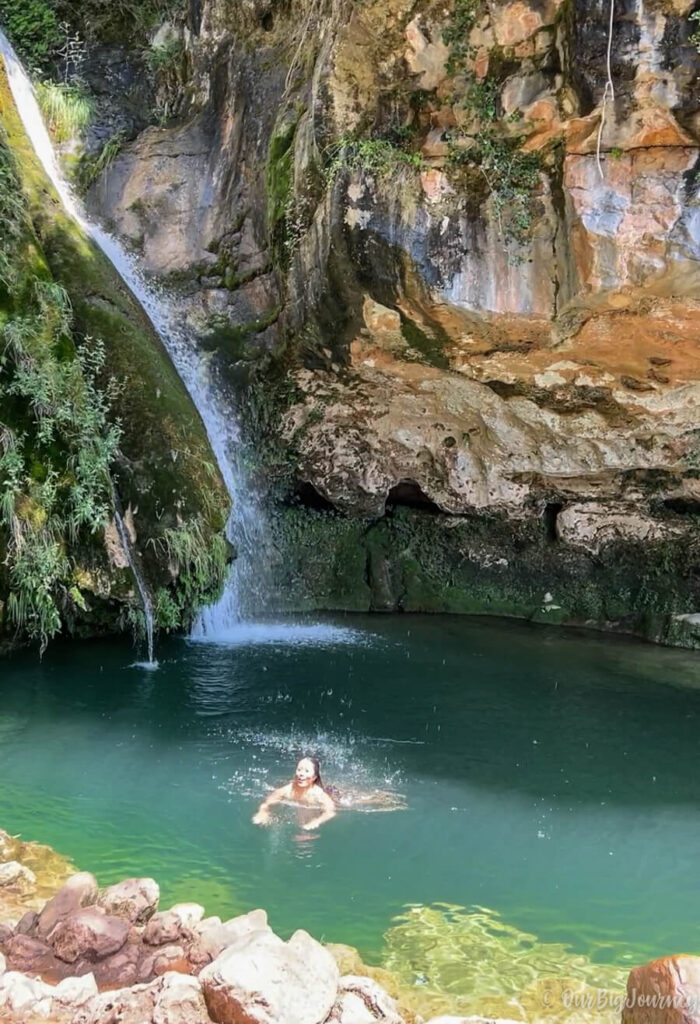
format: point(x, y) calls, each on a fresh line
point(665, 991)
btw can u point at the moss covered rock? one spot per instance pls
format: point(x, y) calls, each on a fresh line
point(164, 472)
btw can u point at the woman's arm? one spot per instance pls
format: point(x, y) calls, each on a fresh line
point(327, 812)
point(262, 816)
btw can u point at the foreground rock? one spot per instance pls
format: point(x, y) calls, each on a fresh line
point(262, 980)
point(111, 957)
point(136, 899)
point(665, 991)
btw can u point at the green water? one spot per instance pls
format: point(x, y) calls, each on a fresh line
point(551, 777)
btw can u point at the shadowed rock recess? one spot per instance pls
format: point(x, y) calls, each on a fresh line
point(453, 293)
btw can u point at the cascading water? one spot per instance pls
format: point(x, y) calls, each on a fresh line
point(140, 583)
point(245, 524)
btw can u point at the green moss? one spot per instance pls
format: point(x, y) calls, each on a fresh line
point(279, 176)
point(233, 340)
point(321, 561)
point(429, 347)
point(481, 565)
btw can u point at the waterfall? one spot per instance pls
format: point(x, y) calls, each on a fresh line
point(244, 528)
point(140, 583)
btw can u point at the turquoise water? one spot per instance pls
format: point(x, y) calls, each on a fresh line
point(551, 777)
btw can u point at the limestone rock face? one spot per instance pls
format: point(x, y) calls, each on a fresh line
point(431, 332)
point(263, 980)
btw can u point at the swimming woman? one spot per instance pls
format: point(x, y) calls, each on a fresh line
point(306, 788)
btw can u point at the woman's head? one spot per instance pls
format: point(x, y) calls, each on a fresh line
point(308, 773)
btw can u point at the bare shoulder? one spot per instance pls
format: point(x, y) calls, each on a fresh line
point(322, 797)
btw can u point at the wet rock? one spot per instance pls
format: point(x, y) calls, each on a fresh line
point(79, 891)
point(665, 991)
point(16, 875)
point(135, 899)
point(350, 962)
point(88, 934)
point(263, 980)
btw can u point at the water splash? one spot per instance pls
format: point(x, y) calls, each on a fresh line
point(287, 634)
point(245, 526)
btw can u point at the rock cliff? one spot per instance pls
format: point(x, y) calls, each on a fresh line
point(446, 256)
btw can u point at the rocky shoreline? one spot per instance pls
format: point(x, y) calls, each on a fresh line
point(88, 955)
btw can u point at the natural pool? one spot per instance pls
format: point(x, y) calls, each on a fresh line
point(551, 778)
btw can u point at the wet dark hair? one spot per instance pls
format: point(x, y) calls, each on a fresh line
point(332, 792)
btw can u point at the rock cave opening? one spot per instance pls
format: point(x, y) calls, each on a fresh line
point(551, 512)
point(411, 495)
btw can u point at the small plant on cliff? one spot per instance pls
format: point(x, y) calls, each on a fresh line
point(67, 109)
point(455, 34)
point(200, 566)
point(165, 57)
point(377, 156)
point(91, 165)
point(511, 177)
point(485, 145)
point(695, 37)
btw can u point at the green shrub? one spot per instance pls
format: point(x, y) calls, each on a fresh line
point(164, 58)
point(33, 28)
point(200, 567)
point(129, 22)
point(375, 156)
point(695, 37)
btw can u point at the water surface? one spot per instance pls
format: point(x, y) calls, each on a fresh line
point(551, 777)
